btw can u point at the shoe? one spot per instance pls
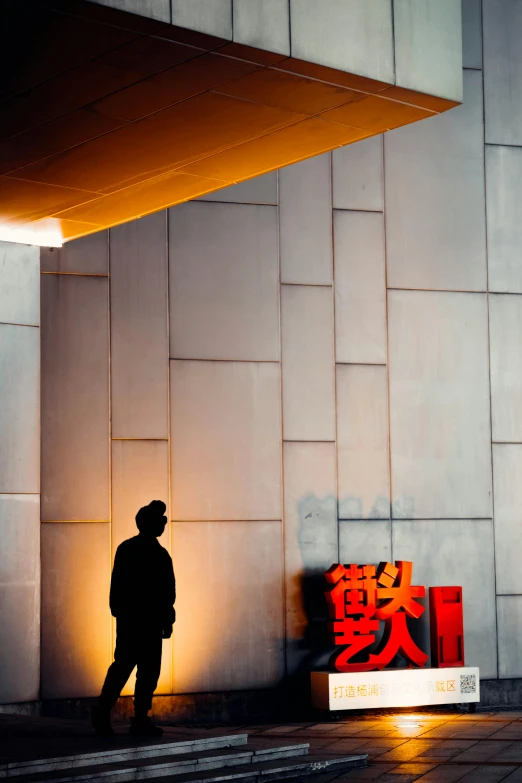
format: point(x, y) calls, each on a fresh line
point(144, 727)
point(101, 722)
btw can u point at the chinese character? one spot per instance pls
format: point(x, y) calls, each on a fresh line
point(354, 591)
point(384, 690)
point(350, 691)
point(440, 686)
point(373, 690)
point(361, 690)
point(447, 626)
point(338, 692)
point(355, 613)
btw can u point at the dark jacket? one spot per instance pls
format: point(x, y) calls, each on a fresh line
point(143, 587)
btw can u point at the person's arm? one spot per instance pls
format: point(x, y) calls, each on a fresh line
point(170, 599)
point(118, 584)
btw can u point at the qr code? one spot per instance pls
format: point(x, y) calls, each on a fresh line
point(468, 683)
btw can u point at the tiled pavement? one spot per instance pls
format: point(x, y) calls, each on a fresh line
point(437, 747)
point(484, 747)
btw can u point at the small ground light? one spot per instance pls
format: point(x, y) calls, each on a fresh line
point(409, 722)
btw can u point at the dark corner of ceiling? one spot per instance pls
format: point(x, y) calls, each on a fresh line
point(23, 26)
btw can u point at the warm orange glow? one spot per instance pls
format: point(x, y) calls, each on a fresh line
point(409, 722)
point(45, 233)
point(159, 115)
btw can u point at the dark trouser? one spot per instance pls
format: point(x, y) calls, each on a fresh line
point(137, 644)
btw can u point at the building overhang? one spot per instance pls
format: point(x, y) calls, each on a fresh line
point(107, 116)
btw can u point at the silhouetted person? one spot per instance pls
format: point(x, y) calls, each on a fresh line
point(143, 591)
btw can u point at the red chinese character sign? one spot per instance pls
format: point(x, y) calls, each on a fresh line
point(361, 596)
point(446, 626)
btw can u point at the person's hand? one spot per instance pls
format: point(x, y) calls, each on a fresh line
point(167, 631)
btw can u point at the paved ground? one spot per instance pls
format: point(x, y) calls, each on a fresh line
point(439, 747)
point(484, 747)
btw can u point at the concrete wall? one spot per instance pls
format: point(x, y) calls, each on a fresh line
point(503, 135)
point(19, 472)
point(412, 44)
point(317, 364)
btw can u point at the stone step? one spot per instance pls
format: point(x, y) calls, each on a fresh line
point(156, 750)
point(176, 765)
point(310, 765)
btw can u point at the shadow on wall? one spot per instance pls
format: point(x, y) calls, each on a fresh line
point(311, 546)
point(318, 540)
point(322, 540)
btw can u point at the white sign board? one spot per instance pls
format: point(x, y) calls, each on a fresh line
point(395, 688)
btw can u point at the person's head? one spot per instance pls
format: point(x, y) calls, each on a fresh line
point(151, 519)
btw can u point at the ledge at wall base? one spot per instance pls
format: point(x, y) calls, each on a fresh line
point(232, 708)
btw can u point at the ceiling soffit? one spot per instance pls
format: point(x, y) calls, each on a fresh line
point(106, 116)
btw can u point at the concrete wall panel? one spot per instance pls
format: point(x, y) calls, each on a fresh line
point(305, 219)
point(19, 597)
point(264, 25)
point(364, 541)
point(140, 473)
point(502, 24)
point(20, 535)
point(310, 547)
point(154, 9)
point(76, 622)
point(447, 551)
point(471, 33)
point(356, 37)
point(224, 289)
point(75, 398)
point(504, 218)
point(428, 46)
point(357, 175)
point(435, 213)
point(362, 437)
point(226, 440)
point(360, 287)
point(139, 328)
point(439, 405)
point(507, 467)
point(509, 618)
point(20, 658)
point(307, 363)
point(20, 286)
point(19, 408)
point(88, 255)
point(258, 190)
point(505, 328)
point(229, 631)
point(206, 16)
